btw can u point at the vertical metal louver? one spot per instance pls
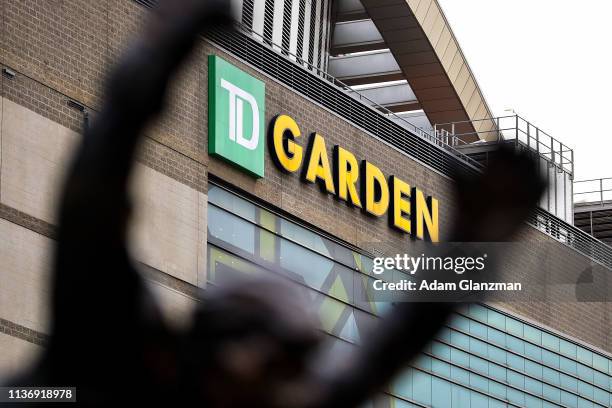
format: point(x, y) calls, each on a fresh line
point(311, 37)
point(286, 26)
point(322, 26)
point(247, 13)
point(268, 21)
point(300, 30)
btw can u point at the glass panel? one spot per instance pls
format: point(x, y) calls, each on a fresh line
point(533, 369)
point(497, 337)
point(514, 327)
point(497, 372)
point(478, 329)
point(532, 351)
point(224, 267)
point(305, 237)
point(460, 358)
point(235, 231)
point(498, 390)
point(568, 349)
point(515, 344)
point(532, 334)
point(533, 386)
point(231, 203)
point(582, 403)
point(461, 323)
point(551, 376)
point(567, 365)
point(498, 355)
point(496, 319)
point(585, 356)
point(550, 342)
point(601, 380)
point(479, 382)
point(516, 379)
point(493, 403)
point(479, 365)
point(552, 393)
point(516, 362)
point(568, 399)
point(441, 368)
point(314, 269)
point(516, 397)
point(478, 347)
point(460, 375)
point(551, 359)
point(478, 312)
point(423, 362)
point(601, 396)
point(460, 340)
point(585, 390)
point(585, 373)
point(532, 402)
point(444, 334)
point(460, 397)
point(568, 383)
point(442, 395)
point(421, 391)
point(600, 363)
point(441, 350)
point(478, 400)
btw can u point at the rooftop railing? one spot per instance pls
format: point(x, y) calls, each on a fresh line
point(593, 191)
point(510, 128)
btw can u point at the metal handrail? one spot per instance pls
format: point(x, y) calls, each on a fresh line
point(521, 131)
point(603, 198)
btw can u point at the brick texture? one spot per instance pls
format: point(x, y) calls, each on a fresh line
point(64, 49)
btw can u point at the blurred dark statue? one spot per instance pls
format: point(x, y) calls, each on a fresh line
point(251, 345)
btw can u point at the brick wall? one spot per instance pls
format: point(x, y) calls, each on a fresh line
point(64, 49)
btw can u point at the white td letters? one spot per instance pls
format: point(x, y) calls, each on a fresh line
point(236, 98)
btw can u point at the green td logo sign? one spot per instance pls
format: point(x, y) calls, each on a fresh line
point(236, 115)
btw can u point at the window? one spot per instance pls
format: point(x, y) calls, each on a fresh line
point(482, 357)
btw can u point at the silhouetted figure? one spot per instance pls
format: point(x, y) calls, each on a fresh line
point(251, 344)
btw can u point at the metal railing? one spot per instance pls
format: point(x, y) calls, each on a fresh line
point(511, 128)
point(572, 236)
point(428, 148)
point(593, 191)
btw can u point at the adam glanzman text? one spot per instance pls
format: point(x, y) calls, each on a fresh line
point(458, 265)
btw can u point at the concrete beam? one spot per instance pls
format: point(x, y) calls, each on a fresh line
point(422, 42)
point(365, 68)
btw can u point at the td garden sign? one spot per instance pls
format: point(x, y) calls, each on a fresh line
point(236, 135)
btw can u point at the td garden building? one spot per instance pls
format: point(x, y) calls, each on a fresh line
point(293, 146)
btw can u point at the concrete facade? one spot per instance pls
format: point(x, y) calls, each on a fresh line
point(63, 50)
